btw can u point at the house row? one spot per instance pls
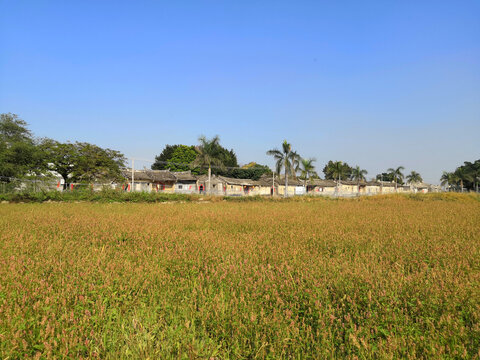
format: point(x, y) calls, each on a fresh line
point(187, 183)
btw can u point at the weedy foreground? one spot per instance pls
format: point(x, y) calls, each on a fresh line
point(385, 277)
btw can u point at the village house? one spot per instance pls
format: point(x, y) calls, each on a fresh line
point(162, 180)
point(321, 187)
point(387, 187)
point(370, 188)
point(267, 186)
point(216, 186)
point(295, 186)
point(186, 183)
point(141, 179)
point(238, 187)
point(347, 187)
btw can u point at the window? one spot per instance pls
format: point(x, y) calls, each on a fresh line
point(180, 187)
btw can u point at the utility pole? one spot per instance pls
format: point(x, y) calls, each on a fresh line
point(133, 174)
point(209, 179)
point(273, 183)
point(338, 185)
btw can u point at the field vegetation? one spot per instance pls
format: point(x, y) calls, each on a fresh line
point(381, 277)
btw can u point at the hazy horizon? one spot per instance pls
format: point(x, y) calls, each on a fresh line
point(373, 84)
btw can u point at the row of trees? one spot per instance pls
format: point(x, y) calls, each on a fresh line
point(465, 177)
point(292, 164)
point(207, 156)
point(24, 156)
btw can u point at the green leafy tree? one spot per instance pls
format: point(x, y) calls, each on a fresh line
point(337, 170)
point(227, 157)
point(83, 162)
point(385, 177)
point(182, 159)
point(473, 171)
point(250, 171)
point(20, 155)
point(397, 175)
point(62, 158)
point(161, 161)
point(94, 163)
point(13, 129)
point(467, 176)
point(286, 159)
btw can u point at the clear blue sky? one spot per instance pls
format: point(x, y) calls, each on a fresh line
point(374, 83)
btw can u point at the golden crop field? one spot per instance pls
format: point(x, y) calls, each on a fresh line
point(385, 277)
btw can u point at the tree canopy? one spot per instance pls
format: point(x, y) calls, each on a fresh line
point(22, 155)
point(414, 177)
point(182, 158)
point(469, 174)
point(385, 176)
point(19, 154)
point(161, 160)
point(250, 171)
point(358, 174)
point(83, 162)
point(337, 170)
point(307, 169)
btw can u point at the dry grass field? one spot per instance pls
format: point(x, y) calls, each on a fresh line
point(385, 277)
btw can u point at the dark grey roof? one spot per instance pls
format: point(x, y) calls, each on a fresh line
point(321, 182)
point(161, 175)
point(203, 179)
point(349, 182)
point(291, 181)
point(139, 175)
point(235, 181)
point(184, 176)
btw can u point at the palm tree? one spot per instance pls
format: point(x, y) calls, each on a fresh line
point(449, 179)
point(414, 177)
point(397, 174)
point(207, 155)
point(307, 170)
point(286, 158)
point(296, 160)
point(339, 171)
point(358, 175)
point(462, 175)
